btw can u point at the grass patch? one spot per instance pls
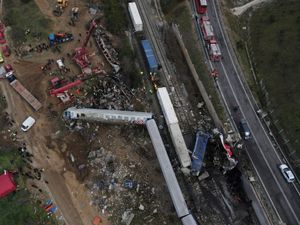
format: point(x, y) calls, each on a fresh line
point(19, 208)
point(116, 21)
point(128, 58)
point(273, 38)
point(168, 5)
point(182, 17)
point(9, 160)
point(22, 15)
point(275, 41)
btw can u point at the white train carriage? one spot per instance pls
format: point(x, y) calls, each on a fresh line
point(167, 169)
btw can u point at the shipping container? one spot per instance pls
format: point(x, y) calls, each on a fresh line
point(35, 104)
point(166, 105)
point(179, 144)
point(167, 170)
point(149, 54)
point(135, 17)
point(198, 152)
point(188, 220)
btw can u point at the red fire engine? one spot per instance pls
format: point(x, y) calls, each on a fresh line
point(206, 28)
point(214, 50)
point(201, 6)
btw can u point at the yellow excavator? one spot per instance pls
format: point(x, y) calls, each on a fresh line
point(59, 7)
point(62, 3)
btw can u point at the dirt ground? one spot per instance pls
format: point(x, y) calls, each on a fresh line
point(54, 146)
point(75, 206)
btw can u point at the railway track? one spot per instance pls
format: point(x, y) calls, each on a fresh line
point(180, 102)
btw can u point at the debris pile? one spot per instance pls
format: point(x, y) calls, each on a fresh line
point(106, 94)
point(119, 191)
point(124, 178)
point(27, 49)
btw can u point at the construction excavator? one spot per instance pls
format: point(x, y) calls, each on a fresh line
point(74, 16)
point(59, 7)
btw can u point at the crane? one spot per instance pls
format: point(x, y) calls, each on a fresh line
point(93, 25)
point(81, 53)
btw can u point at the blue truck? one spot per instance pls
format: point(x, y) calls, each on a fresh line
point(198, 152)
point(149, 54)
point(59, 38)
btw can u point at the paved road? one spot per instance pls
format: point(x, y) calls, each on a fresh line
point(284, 197)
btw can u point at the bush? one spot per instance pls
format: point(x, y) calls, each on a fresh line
point(115, 18)
point(21, 15)
point(26, 1)
point(9, 159)
point(127, 58)
point(168, 5)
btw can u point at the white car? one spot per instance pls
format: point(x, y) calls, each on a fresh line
point(60, 64)
point(287, 173)
point(27, 124)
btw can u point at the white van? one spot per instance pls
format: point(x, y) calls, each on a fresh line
point(27, 124)
point(60, 64)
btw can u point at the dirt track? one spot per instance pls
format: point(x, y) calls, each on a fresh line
point(241, 9)
point(66, 191)
point(70, 196)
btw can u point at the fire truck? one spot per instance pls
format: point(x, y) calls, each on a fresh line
point(214, 50)
point(201, 6)
point(206, 28)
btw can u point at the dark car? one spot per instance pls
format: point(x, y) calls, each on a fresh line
point(244, 129)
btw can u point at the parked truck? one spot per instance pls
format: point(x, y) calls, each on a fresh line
point(135, 17)
point(59, 38)
point(30, 99)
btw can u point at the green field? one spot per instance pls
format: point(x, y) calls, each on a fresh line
point(19, 208)
point(275, 44)
point(116, 21)
point(22, 15)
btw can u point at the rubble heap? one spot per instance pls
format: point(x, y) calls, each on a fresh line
point(119, 191)
point(106, 94)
